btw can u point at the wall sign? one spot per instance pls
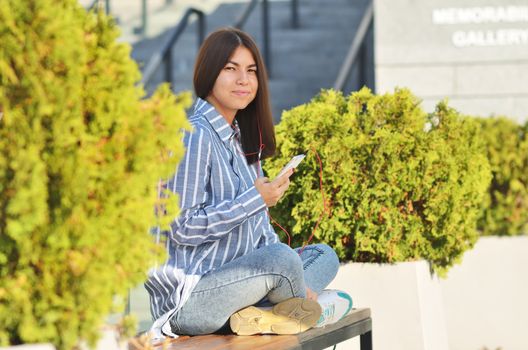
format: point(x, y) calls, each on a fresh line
point(485, 15)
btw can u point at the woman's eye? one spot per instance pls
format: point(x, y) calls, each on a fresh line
point(254, 71)
point(229, 68)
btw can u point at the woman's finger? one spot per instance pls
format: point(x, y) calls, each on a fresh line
point(279, 181)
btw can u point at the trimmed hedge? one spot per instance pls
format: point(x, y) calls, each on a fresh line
point(402, 185)
point(80, 154)
point(506, 211)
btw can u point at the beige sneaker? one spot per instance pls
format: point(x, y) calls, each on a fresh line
point(290, 316)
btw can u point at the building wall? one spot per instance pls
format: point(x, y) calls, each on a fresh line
point(473, 52)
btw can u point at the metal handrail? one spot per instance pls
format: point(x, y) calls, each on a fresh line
point(242, 19)
point(165, 53)
point(295, 14)
point(96, 3)
point(251, 6)
point(355, 47)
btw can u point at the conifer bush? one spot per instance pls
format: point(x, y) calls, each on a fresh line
point(506, 212)
point(401, 185)
point(80, 156)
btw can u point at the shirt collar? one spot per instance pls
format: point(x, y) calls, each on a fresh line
point(217, 121)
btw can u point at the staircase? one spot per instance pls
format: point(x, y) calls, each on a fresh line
point(303, 60)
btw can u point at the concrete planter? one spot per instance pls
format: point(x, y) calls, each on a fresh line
point(110, 340)
point(405, 300)
point(486, 297)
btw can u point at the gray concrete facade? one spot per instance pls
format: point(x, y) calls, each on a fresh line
point(473, 52)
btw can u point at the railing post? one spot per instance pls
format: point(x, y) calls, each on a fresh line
point(355, 48)
point(294, 14)
point(107, 7)
point(144, 16)
point(127, 306)
point(144, 19)
point(362, 64)
point(165, 54)
point(265, 34)
point(168, 67)
point(201, 28)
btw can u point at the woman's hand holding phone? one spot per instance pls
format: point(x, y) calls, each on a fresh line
point(272, 191)
point(292, 164)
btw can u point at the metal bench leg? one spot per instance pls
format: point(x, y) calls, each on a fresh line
point(365, 341)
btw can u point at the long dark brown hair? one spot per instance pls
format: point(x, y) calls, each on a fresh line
point(254, 120)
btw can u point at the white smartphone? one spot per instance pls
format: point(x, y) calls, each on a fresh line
point(292, 164)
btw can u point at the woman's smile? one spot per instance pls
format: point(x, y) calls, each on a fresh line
point(242, 93)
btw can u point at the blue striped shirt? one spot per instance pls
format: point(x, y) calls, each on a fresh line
point(222, 214)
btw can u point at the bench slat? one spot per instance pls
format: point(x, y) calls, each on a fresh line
point(232, 342)
point(358, 322)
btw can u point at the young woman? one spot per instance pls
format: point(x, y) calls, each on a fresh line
point(224, 256)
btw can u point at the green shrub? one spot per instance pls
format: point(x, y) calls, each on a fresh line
point(397, 192)
point(506, 211)
point(80, 156)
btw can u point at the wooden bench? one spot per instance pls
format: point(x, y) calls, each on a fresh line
point(357, 323)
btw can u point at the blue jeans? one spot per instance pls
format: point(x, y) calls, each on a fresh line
point(275, 273)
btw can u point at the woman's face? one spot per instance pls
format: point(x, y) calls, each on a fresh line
point(236, 85)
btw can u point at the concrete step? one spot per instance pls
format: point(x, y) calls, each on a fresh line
point(303, 60)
